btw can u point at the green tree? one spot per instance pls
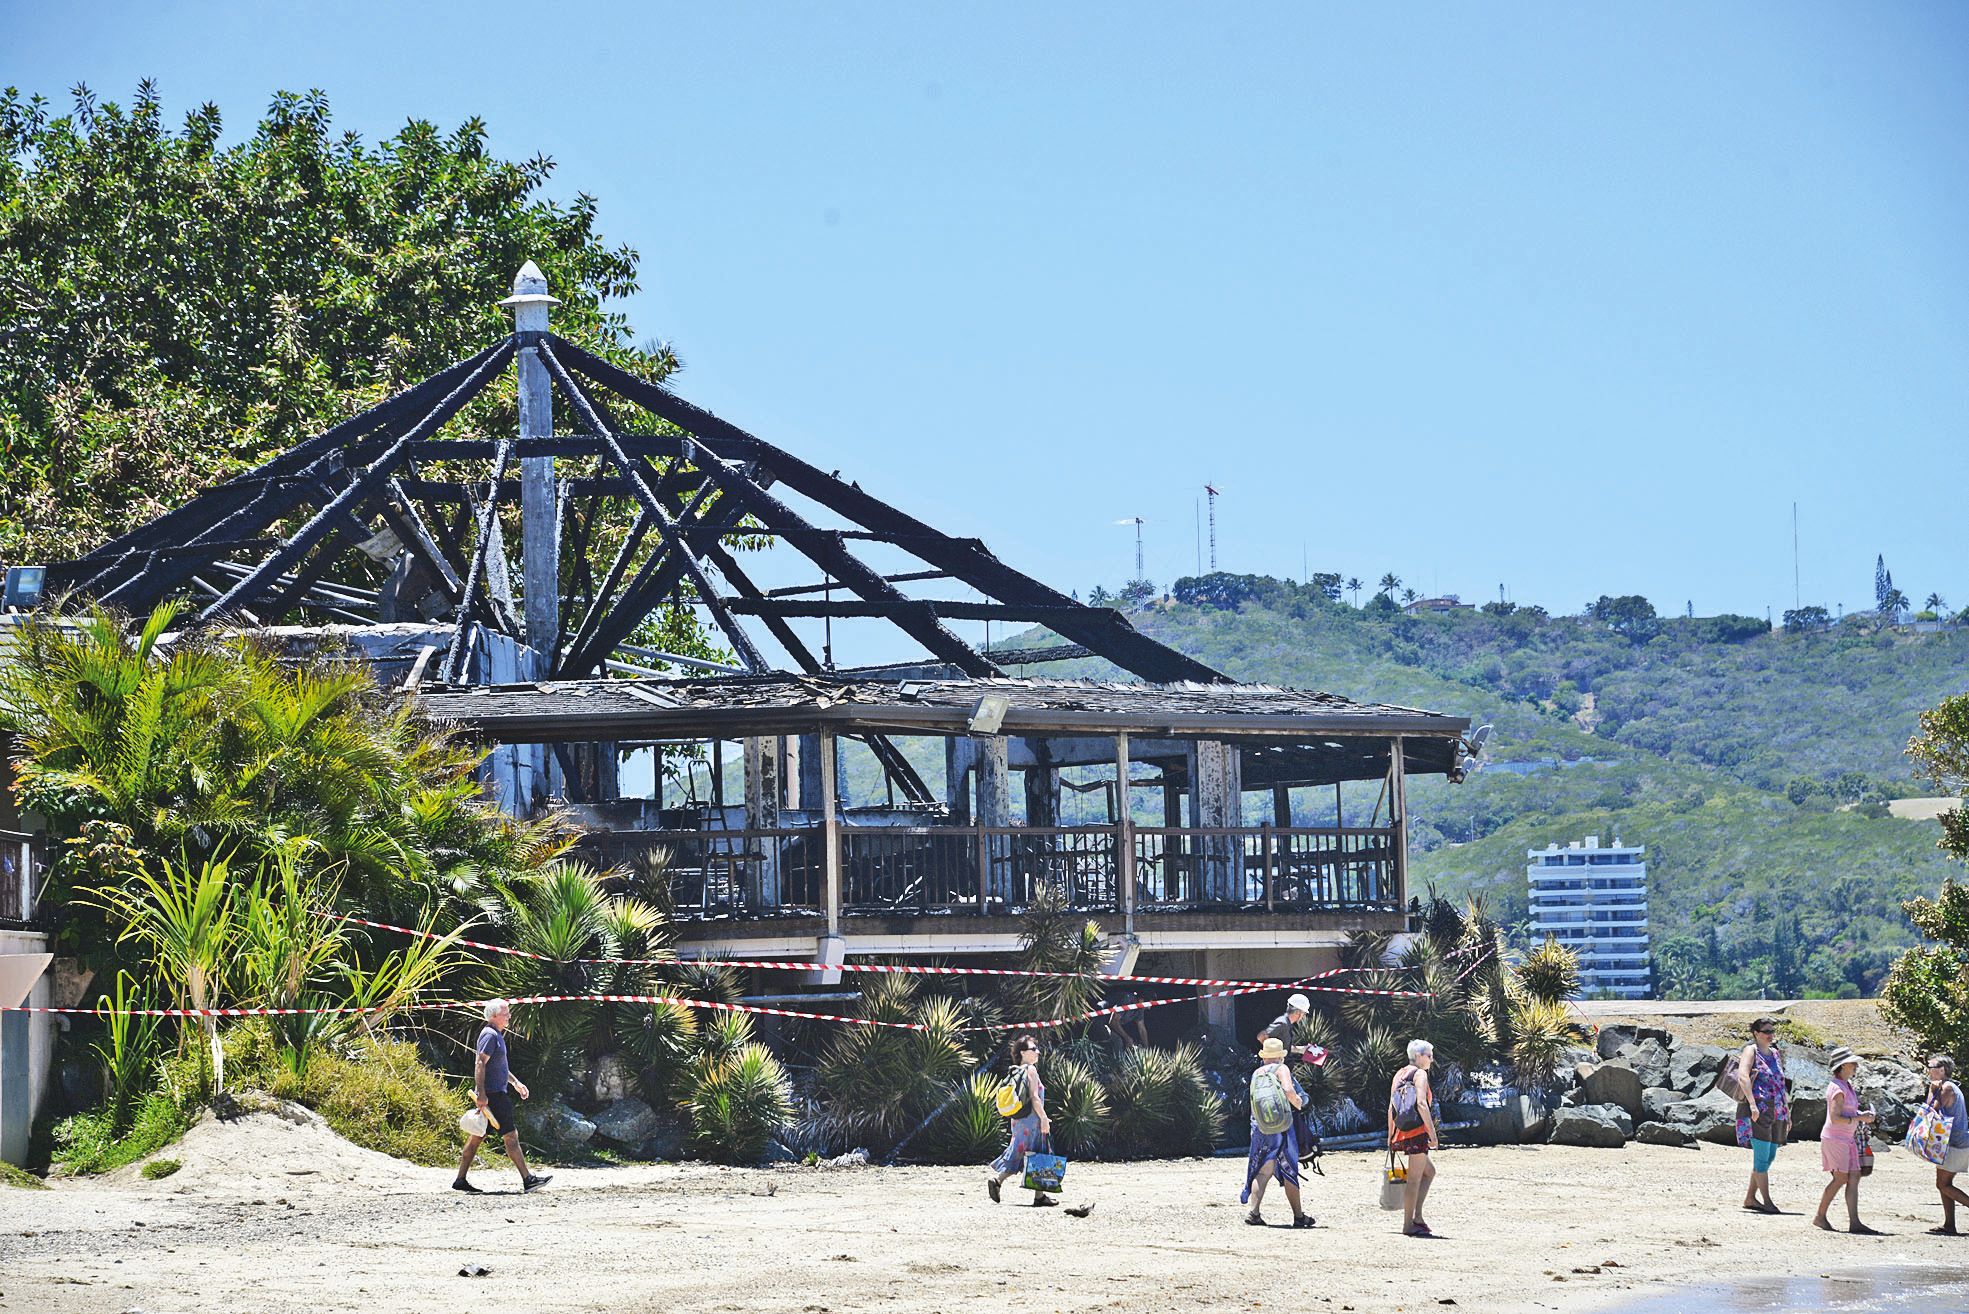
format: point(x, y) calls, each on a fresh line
point(1354, 587)
point(1630, 616)
point(1389, 583)
point(178, 310)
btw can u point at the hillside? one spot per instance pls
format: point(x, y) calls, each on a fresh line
point(1752, 763)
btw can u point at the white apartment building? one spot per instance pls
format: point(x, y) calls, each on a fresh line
point(1594, 901)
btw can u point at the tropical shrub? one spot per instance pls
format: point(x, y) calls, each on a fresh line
point(882, 1082)
point(970, 1129)
point(1077, 1105)
point(737, 1103)
point(1162, 1106)
point(1927, 991)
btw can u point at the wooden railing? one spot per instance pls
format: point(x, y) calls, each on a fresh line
point(998, 869)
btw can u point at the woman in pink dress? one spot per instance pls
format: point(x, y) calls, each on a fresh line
point(1839, 1145)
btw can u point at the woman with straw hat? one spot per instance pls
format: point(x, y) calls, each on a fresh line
point(1275, 1097)
point(1839, 1146)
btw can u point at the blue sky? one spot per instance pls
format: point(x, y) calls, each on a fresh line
point(1575, 299)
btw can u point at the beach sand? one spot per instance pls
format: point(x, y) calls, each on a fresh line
point(275, 1217)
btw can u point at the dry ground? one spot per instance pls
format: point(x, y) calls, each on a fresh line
point(272, 1216)
point(1854, 1022)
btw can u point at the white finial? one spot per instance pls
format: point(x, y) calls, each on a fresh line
point(530, 289)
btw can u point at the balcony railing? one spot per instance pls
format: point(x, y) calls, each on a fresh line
point(991, 870)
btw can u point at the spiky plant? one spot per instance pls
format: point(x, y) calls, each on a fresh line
point(1076, 1104)
point(1541, 1032)
point(1323, 1083)
point(969, 1130)
point(883, 1081)
point(1549, 973)
point(1054, 938)
point(1200, 1113)
point(1370, 1064)
point(1162, 1105)
point(737, 1103)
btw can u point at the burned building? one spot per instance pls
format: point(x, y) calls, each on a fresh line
point(509, 581)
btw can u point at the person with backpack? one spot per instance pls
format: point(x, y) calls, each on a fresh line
point(1275, 1097)
point(1412, 1131)
point(1763, 1110)
point(1031, 1128)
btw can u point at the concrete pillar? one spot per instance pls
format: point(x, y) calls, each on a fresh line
point(539, 517)
point(1219, 1012)
point(762, 813)
point(992, 759)
point(1217, 801)
point(1042, 791)
point(830, 835)
point(792, 769)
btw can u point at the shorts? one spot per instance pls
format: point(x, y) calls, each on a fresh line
point(499, 1107)
point(1839, 1154)
point(1957, 1160)
point(1762, 1154)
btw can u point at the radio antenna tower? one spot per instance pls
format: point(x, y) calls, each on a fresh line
point(1210, 491)
point(1137, 522)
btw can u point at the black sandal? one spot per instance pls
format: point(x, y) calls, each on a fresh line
point(1303, 1220)
point(1254, 1219)
point(991, 1188)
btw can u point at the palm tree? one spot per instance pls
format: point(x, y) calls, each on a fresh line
point(1389, 583)
point(1354, 587)
point(1409, 595)
point(1892, 603)
point(1937, 603)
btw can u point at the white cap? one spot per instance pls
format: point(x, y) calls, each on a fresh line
point(1300, 1002)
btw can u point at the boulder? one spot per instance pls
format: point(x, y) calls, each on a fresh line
point(1692, 1069)
point(1665, 1133)
point(1518, 1120)
point(1591, 1125)
point(666, 1142)
point(628, 1121)
point(778, 1153)
point(1615, 1082)
point(1655, 1101)
point(559, 1126)
point(1807, 1114)
point(1612, 1039)
point(613, 1079)
point(1894, 1091)
point(1650, 1060)
point(1709, 1117)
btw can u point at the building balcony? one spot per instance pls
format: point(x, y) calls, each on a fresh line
point(940, 871)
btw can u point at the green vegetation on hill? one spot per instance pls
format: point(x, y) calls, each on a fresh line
point(1752, 762)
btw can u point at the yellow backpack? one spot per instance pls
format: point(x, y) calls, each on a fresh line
point(1011, 1097)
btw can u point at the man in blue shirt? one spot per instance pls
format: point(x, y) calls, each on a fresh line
point(492, 1084)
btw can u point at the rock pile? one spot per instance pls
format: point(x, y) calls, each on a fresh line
point(1640, 1083)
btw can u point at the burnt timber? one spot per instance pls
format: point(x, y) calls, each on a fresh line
point(509, 581)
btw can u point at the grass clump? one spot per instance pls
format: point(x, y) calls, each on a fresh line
point(87, 1143)
point(159, 1168)
point(21, 1178)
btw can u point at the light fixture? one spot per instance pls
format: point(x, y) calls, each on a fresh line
point(989, 714)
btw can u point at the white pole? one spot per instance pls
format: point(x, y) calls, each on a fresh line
point(539, 518)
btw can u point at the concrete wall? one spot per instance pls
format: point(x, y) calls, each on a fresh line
point(36, 1031)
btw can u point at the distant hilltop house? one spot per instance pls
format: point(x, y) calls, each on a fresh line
point(1447, 602)
point(1594, 901)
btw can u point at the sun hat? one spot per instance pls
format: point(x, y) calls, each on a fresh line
point(1272, 1049)
point(1839, 1058)
point(1300, 1002)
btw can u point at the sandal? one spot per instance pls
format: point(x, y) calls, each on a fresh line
point(991, 1188)
point(1043, 1201)
point(1302, 1220)
point(1254, 1219)
point(1420, 1229)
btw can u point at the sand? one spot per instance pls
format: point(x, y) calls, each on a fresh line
point(273, 1215)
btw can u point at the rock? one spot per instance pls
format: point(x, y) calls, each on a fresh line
point(613, 1078)
point(628, 1121)
point(1581, 1071)
point(1571, 1098)
point(1894, 1091)
point(1692, 1069)
point(856, 1158)
point(1590, 1125)
point(1612, 1039)
point(1512, 1122)
point(1650, 1060)
point(559, 1126)
point(778, 1153)
point(1655, 1101)
point(1615, 1082)
point(666, 1142)
point(1664, 1133)
point(1808, 1115)
point(1710, 1117)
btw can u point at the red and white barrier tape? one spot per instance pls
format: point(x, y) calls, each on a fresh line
point(903, 968)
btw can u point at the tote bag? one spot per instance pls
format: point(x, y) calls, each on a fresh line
point(1394, 1183)
point(1928, 1134)
point(1044, 1169)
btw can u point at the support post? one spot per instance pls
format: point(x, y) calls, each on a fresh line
point(1282, 806)
point(762, 813)
point(1398, 804)
point(957, 757)
point(1216, 802)
point(540, 521)
point(994, 768)
point(830, 833)
point(1124, 835)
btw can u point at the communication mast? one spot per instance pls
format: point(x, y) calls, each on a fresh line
point(1210, 491)
point(1137, 522)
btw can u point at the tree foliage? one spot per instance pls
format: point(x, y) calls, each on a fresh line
point(179, 309)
